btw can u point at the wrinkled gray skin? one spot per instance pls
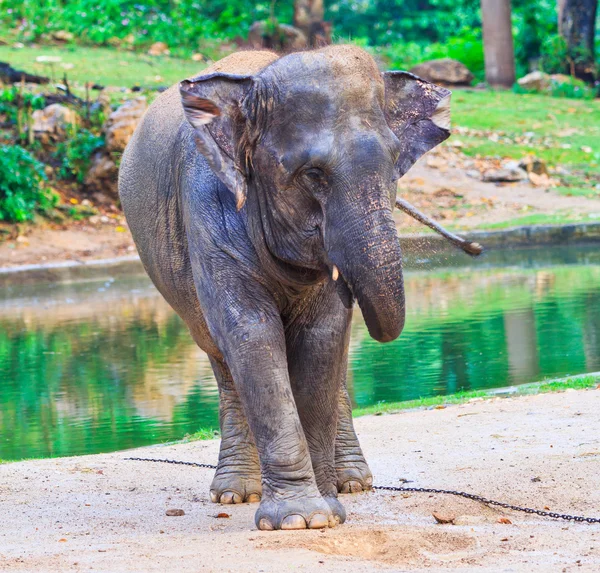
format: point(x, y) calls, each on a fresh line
point(243, 188)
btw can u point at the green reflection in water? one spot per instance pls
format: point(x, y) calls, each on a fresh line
point(100, 366)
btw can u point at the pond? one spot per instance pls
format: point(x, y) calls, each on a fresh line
point(104, 364)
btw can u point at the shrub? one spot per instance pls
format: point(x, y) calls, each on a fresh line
point(554, 54)
point(22, 185)
point(75, 153)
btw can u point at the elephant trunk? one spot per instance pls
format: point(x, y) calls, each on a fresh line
point(363, 244)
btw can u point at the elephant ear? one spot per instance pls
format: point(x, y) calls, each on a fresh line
point(418, 112)
point(212, 106)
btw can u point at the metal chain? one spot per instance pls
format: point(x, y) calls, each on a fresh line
point(177, 462)
point(482, 499)
point(464, 494)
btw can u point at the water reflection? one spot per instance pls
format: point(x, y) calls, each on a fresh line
point(105, 365)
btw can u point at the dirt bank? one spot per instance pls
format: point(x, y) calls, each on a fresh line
point(104, 513)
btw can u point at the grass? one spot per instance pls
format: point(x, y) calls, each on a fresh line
point(591, 192)
point(560, 131)
point(104, 66)
point(583, 382)
point(538, 219)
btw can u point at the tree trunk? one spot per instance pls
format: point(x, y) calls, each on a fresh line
point(308, 17)
point(577, 26)
point(560, 8)
point(498, 43)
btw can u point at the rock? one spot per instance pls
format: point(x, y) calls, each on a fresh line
point(504, 175)
point(542, 180)
point(175, 512)
point(533, 164)
point(53, 121)
point(122, 123)
point(159, 49)
point(443, 518)
point(63, 36)
point(101, 105)
point(538, 81)
point(444, 71)
point(198, 58)
point(102, 177)
point(281, 37)
point(474, 174)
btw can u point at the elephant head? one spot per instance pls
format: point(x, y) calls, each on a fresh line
point(314, 145)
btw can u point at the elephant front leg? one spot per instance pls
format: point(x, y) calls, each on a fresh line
point(237, 478)
point(317, 340)
point(352, 470)
point(248, 329)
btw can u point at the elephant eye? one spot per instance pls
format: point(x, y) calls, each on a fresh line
point(315, 175)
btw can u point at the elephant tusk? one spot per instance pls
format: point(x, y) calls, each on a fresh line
point(335, 273)
point(474, 249)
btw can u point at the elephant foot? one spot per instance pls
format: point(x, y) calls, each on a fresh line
point(235, 487)
point(353, 476)
point(302, 511)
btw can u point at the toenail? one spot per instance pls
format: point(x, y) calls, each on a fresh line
point(293, 522)
point(265, 525)
point(253, 498)
point(351, 487)
point(318, 521)
point(229, 497)
point(213, 496)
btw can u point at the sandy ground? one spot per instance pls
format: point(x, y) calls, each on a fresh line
point(104, 513)
point(438, 184)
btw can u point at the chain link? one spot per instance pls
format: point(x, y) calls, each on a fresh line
point(472, 496)
point(177, 462)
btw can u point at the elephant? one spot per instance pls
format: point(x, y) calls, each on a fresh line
point(260, 196)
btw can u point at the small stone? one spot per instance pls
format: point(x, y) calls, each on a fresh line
point(537, 81)
point(198, 57)
point(63, 36)
point(504, 175)
point(222, 515)
point(159, 49)
point(533, 164)
point(122, 123)
point(175, 512)
point(102, 174)
point(443, 518)
point(444, 71)
point(53, 121)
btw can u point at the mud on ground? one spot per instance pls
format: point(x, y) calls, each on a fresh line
point(104, 513)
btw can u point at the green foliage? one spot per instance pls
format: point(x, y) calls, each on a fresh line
point(75, 154)
point(22, 185)
point(466, 47)
point(176, 22)
point(553, 54)
point(571, 89)
point(13, 98)
point(406, 31)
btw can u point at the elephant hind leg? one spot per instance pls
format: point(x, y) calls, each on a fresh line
point(353, 473)
point(237, 478)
